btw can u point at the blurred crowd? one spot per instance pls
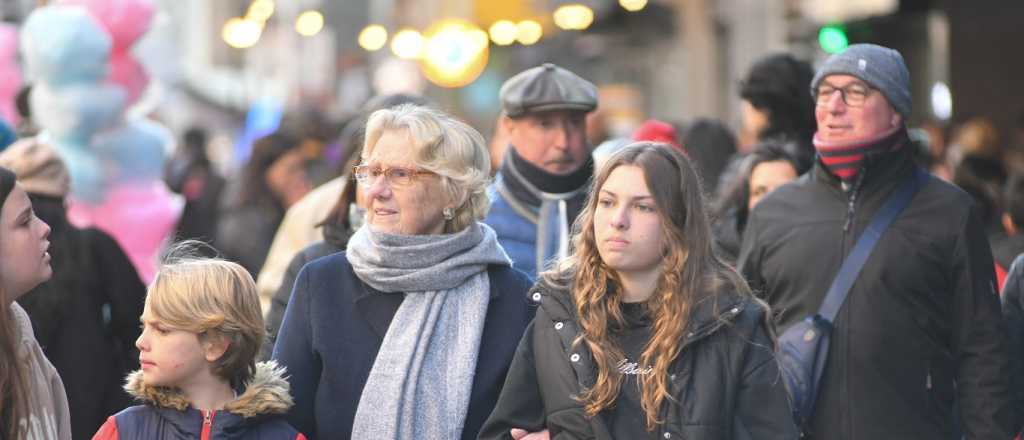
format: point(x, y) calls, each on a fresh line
point(771, 209)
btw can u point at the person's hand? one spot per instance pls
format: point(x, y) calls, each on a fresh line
point(522, 434)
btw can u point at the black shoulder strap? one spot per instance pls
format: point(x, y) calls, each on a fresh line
point(851, 267)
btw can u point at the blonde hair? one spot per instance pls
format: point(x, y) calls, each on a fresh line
point(211, 297)
point(446, 146)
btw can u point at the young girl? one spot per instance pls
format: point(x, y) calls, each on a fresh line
point(201, 331)
point(33, 403)
point(642, 332)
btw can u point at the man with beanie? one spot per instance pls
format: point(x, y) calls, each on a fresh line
point(542, 183)
point(918, 348)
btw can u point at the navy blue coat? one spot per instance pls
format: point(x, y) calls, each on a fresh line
point(335, 324)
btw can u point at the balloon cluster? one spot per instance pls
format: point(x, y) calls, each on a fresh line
point(10, 73)
point(77, 55)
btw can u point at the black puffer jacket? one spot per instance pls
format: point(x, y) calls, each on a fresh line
point(725, 383)
point(1013, 312)
point(921, 327)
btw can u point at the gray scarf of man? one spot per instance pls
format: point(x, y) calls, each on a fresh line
point(420, 383)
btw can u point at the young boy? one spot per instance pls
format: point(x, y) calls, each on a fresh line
point(201, 331)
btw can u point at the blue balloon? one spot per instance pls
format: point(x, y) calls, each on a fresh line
point(138, 149)
point(75, 113)
point(63, 45)
point(88, 182)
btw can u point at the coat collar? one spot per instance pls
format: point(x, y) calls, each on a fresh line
point(267, 392)
point(882, 171)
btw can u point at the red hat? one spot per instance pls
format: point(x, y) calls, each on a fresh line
point(654, 130)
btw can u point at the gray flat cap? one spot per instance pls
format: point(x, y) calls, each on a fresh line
point(547, 87)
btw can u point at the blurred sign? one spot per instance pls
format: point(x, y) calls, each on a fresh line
point(830, 11)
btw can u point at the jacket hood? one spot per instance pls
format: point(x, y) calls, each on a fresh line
point(267, 392)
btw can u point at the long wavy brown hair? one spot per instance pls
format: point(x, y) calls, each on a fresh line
point(13, 380)
point(13, 391)
point(691, 273)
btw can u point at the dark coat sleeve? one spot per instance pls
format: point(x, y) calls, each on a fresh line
point(125, 293)
point(520, 404)
point(749, 261)
point(1013, 314)
point(279, 302)
point(979, 339)
point(763, 406)
point(294, 351)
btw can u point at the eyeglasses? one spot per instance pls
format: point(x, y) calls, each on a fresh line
point(395, 176)
point(853, 94)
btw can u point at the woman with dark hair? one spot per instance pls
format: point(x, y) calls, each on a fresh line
point(776, 107)
point(642, 332)
point(776, 103)
point(341, 222)
point(767, 168)
point(32, 400)
point(273, 180)
point(86, 317)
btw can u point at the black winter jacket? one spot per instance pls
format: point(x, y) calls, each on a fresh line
point(920, 332)
point(1013, 312)
point(725, 383)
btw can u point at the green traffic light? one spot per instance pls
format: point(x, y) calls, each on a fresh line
point(833, 39)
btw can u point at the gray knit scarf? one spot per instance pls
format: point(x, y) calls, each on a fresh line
point(421, 380)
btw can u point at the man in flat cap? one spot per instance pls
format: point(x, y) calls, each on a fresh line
point(542, 183)
point(918, 347)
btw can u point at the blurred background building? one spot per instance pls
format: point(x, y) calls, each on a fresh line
point(235, 66)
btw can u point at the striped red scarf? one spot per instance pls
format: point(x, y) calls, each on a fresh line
point(845, 159)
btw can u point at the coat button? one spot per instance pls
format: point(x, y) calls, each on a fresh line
point(668, 435)
point(672, 377)
point(559, 325)
point(735, 309)
point(575, 357)
point(536, 296)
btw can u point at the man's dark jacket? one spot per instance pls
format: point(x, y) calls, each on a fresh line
point(335, 324)
point(725, 384)
point(920, 332)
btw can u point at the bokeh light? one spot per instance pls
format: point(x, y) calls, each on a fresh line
point(504, 32)
point(373, 37)
point(241, 33)
point(529, 32)
point(309, 23)
point(407, 44)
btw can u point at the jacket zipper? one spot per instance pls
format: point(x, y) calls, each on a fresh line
point(207, 424)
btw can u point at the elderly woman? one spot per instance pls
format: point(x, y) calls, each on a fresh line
point(409, 332)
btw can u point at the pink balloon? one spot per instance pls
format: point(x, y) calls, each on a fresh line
point(127, 73)
point(141, 217)
point(10, 83)
point(125, 20)
point(8, 42)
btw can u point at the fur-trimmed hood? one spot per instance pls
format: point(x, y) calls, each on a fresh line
point(267, 392)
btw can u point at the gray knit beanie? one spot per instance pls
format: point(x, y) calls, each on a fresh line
point(881, 67)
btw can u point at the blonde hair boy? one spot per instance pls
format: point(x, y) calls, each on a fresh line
point(202, 331)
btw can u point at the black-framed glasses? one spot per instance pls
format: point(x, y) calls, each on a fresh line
point(395, 176)
point(853, 94)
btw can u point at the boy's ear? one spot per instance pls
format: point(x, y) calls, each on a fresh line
point(214, 346)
